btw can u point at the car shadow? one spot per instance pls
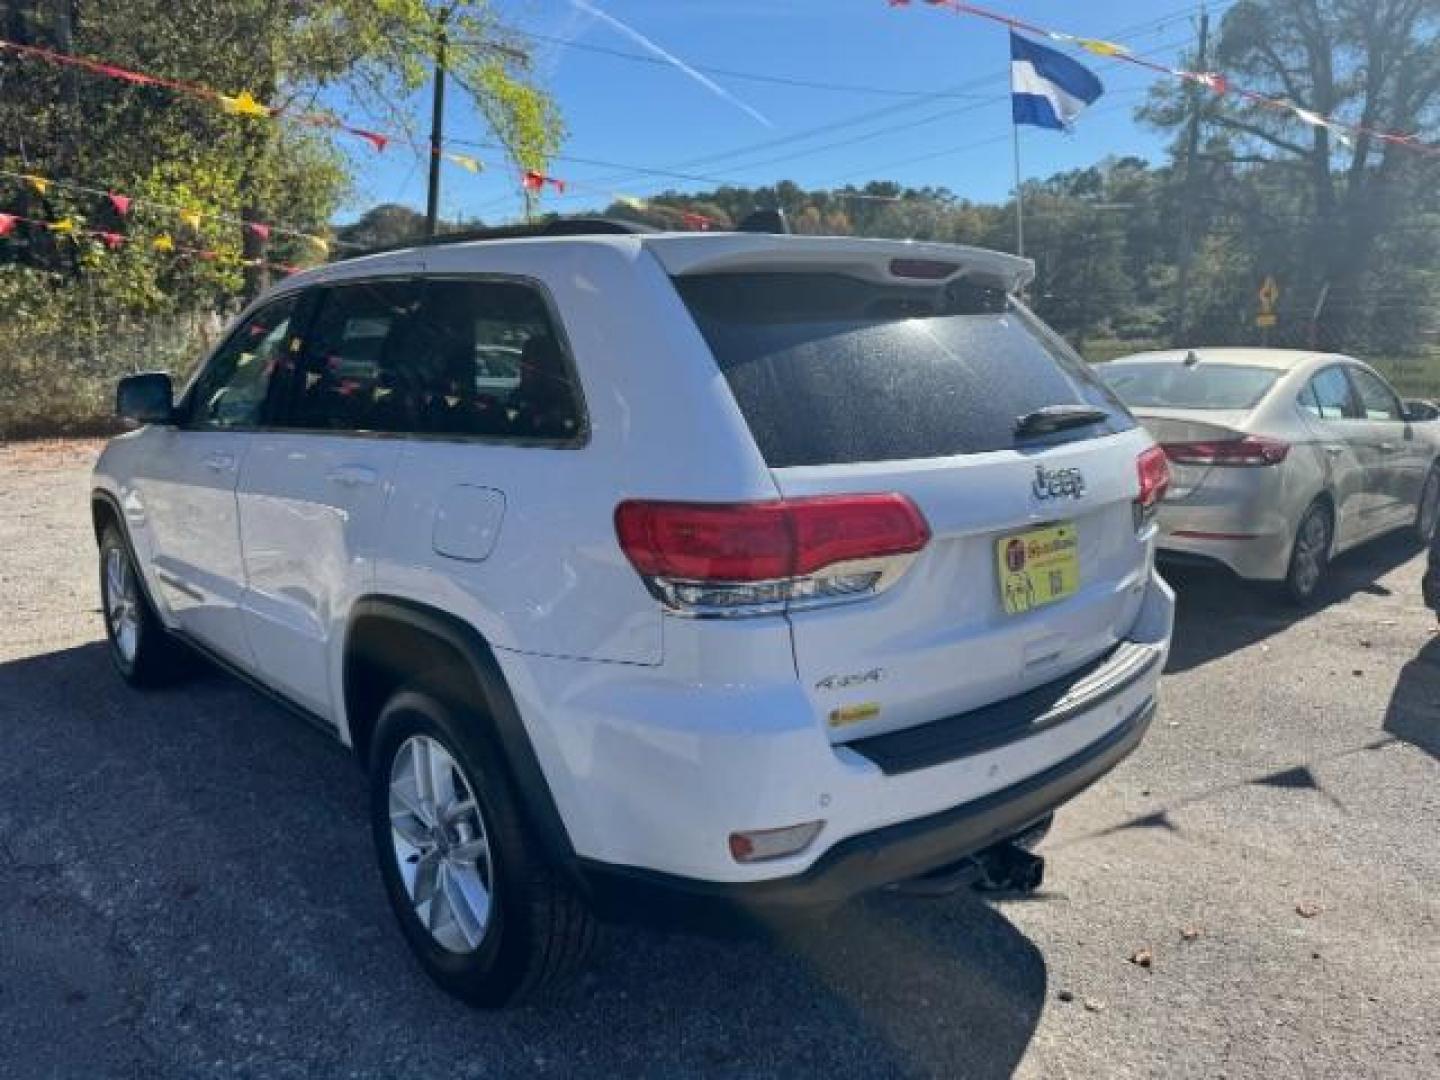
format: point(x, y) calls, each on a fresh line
point(1218, 613)
point(220, 850)
point(1413, 714)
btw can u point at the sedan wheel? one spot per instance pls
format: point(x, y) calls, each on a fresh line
point(1428, 512)
point(1310, 555)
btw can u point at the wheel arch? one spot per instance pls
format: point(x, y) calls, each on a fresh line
point(391, 642)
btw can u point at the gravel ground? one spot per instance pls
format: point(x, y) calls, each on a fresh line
point(186, 881)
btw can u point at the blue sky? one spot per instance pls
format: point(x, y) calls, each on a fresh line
point(654, 116)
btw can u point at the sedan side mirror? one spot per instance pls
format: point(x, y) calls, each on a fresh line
point(147, 398)
point(1420, 411)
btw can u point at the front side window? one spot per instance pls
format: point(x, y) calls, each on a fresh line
point(232, 390)
point(1331, 396)
point(1379, 402)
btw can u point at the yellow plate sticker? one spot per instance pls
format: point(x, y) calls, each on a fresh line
point(1038, 567)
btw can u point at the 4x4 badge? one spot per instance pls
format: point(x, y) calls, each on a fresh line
point(1057, 483)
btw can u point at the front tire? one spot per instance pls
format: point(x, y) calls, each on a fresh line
point(490, 922)
point(1309, 555)
point(141, 649)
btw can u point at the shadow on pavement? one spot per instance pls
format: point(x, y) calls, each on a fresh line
point(1217, 613)
point(211, 855)
point(1414, 711)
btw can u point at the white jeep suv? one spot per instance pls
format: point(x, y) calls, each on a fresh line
point(661, 576)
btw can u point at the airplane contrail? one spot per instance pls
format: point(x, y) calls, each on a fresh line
point(670, 58)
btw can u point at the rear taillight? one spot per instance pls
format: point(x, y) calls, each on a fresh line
point(1154, 470)
point(1249, 450)
point(744, 558)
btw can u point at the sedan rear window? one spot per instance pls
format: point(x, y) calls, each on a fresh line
point(830, 369)
point(1172, 385)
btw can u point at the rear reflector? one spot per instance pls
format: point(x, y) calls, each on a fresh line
point(765, 541)
point(761, 844)
point(1248, 450)
point(1154, 472)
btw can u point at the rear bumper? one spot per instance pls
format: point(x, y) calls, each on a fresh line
point(1254, 548)
point(865, 862)
point(651, 773)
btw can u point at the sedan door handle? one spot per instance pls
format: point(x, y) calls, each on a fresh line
point(352, 475)
point(220, 462)
point(1333, 450)
point(1388, 448)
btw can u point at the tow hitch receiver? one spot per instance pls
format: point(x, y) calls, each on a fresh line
point(1003, 868)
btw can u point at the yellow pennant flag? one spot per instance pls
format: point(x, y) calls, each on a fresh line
point(65, 226)
point(320, 244)
point(243, 104)
point(466, 162)
point(39, 183)
point(1102, 48)
point(191, 218)
point(163, 243)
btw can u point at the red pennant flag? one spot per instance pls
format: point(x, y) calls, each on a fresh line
point(111, 240)
point(374, 138)
point(696, 221)
point(7, 222)
point(559, 185)
point(120, 202)
point(532, 180)
point(259, 228)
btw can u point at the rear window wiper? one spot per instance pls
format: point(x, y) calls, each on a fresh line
point(1052, 418)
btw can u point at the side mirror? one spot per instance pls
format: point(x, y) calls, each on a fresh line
point(147, 398)
point(1420, 411)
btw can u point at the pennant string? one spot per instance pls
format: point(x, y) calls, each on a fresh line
point(1214, 81)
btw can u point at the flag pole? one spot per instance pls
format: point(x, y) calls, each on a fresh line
point(1019, 193)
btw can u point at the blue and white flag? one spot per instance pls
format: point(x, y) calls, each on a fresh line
point(1048, 89)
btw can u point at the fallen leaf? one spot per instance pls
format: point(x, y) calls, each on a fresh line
point(1307, 909)
point(1093, 1005)
point(1142, 958)
point(1189, 933)
point(1357, 672)
point(1066, 995)
point(1365, 643)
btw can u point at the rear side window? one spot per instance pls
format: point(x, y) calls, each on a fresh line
point(343, 381)
point(1331, 396)
point(441, 357)
point(1376, 398)
point(829, 369)
point(1189, 386)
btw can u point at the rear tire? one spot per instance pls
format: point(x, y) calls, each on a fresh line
point(1309, 555)
point(142, 650)
point(1427, 512)
point(490, 922)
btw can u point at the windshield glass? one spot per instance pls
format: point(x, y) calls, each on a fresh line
point(1170, 385)
point(831, 369)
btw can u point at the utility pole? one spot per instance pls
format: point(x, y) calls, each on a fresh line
point(1187, 199)
point(437, 128)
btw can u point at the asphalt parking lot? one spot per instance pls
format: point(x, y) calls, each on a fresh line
point(187, 889)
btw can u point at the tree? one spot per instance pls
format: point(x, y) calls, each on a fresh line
point(1375, 63)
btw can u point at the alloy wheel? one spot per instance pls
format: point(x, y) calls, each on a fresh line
point(441, 846)
point(1311, 544)
point(122, 604)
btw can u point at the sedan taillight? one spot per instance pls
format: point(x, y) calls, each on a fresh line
point(749, 558)
point(1251, 450)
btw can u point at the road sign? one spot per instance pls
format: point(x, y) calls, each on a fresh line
point(1269, 295)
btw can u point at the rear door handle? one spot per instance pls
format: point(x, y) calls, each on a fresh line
point(1388, 448)
point(1333, 450)
point(220, 462)
point(352, 475)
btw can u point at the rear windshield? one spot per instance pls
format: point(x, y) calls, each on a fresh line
point(829, 369)
point(1196, 386)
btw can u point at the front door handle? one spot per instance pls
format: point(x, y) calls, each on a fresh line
point(1333, 450)
point(220, 462)
point(352, 475)
point(1388, 448)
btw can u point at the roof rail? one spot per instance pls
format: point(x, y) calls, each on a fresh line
point(560, 226)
